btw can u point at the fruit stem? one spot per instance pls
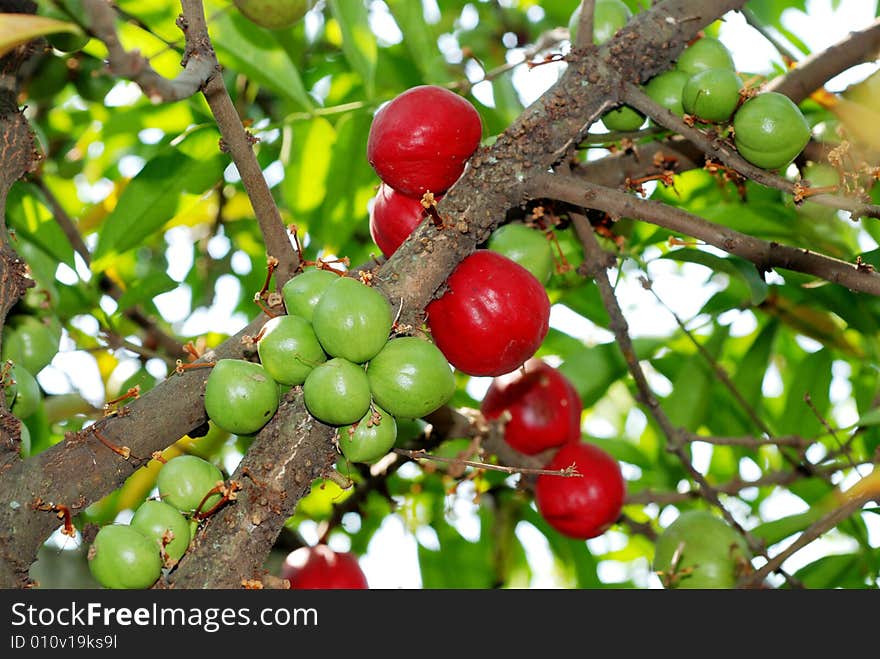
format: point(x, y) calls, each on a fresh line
point(429, 203)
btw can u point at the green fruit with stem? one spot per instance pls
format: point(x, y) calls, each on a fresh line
point(410, 377)
point(712, 94)
point(273, 14)
point(301, 294)
point(352, 320)
point(665, 89)
point(26, 396)
point(289, 349)
point(165, 525)
point(526, 246)
point(185, 481)
point(372, 437)
point(708, 553)
point(770, 130)
point(121, 557)
point(705, 53)
point(31, 341)
point(608, 17)
point(624, 119)
point(337, 392)
point(240, 396)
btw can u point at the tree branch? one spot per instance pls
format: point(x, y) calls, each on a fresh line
point(765, 255)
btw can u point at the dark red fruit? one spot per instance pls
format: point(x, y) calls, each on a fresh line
point(492, 318)
point(544, 407)
point(421, 140)
point(393, 217)
point(319, 567)
point(581, 506)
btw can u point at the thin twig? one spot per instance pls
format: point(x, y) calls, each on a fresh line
point(569, 471)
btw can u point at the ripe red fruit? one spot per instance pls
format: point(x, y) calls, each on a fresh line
point(393, 217)
point(421, 140)
point(581, 506)
point(544, 407)
point(319, 567)
point(492, 318)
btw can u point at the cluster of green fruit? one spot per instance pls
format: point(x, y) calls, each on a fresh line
point(334, 342)
point(769, 130)
point(131, 556)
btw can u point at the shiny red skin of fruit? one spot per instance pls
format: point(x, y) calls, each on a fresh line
point(544, 407)
point(421, 140)
point(319, 567)
point(393, 217)
point(492, 317)
point(582, 506)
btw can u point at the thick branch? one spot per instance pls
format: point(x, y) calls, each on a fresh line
point(856, 48)
point(289, 453)
point(765, 255)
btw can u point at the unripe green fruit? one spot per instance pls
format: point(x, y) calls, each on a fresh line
point(24, 449)
point(710, 552)
point(608, 17)
point(301, 294)
point(666, 89)
point(623, 119)
point(240, 396)
point(352, 320)
point(289, 349)
point(155, 518)
point(185, 480)
point(123, 557)
point(770, 130)
point(373, 437)
point(31, 342)
point(337, 392)
point(273, 14)
point(410, 377)
point(705, 53)
point(712, 94)
point(27, 396)
point(526, 246)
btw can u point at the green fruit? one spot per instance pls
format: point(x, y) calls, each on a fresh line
point(819, 175)
point(712, 94)
point(608, 17)
point(624, 119)
point(301, 294)
point(372, 438)
point(122, 557)
point(289, 349)
point(711, 552)
point(666, 88)
point(770, 130)
point(185, 480)
point(24, 449)
point(526, 246)
point(352, 320)
point(337, 392)
point(240, 396)
point(27, 396)
point(410, 377)
point(273, 14)
point(705, 53)
point(31, 342)
point(156, 518)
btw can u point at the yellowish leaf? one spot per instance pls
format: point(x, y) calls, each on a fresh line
point(16, 29)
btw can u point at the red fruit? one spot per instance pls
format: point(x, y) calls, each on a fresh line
point(319, 567)
point(544, 407)
point(421, 140)
point(492, 318)
point(394, 216)
point(581, 506)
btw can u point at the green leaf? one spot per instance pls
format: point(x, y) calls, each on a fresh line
point(780, 529)
point(752, 368)
point(837, 571)
point(869, 418)
point(145, 289)
point(306, 158)
point(420, 41)
point(152, 197)
point(28, 213)
point(730, 265)
point(811, 376)
point(256, 52)
point(623, 450)
point(17, 29)
point(358, 41)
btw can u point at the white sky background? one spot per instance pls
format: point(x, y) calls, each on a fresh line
point(391, 560)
